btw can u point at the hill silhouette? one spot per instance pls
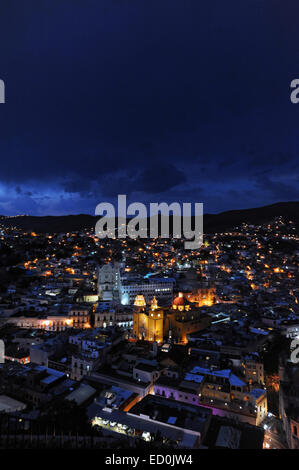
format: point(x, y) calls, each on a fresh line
point(213, 223)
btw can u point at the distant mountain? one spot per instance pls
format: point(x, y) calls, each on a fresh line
point(212, 222)
point(50, 223)
point(259, 215)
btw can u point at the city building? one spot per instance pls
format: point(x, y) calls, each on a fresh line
point(155, 323)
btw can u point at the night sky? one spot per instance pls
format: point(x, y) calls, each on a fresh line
point(162, 100)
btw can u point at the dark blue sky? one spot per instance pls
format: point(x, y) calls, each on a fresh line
point(162, 100)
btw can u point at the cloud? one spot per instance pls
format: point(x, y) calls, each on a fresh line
point(112, 99)
point(159, 178)
point(280, 190)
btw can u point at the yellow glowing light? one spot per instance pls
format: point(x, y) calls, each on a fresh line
point(278, 270)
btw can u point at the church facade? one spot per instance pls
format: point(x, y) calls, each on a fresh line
point(155, 323)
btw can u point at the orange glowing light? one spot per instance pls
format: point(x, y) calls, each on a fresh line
point(70, 270)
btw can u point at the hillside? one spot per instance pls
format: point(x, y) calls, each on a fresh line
point(212, 222)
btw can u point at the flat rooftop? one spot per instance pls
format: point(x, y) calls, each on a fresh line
point(168, 411)
point(10, 405)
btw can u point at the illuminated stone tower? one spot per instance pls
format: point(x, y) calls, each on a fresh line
point(148, 321)
point(108, 281)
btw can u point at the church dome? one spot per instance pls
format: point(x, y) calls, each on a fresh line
point(179, 300)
